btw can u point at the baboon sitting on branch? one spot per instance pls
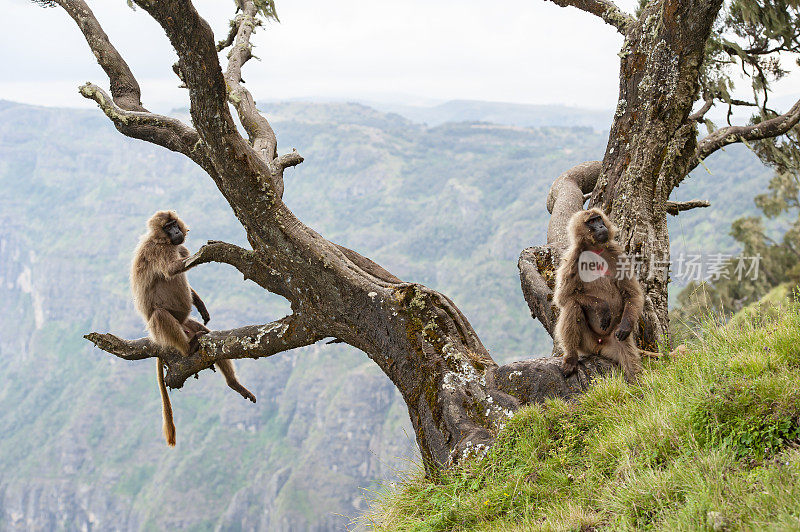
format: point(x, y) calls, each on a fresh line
point(599, 301)
point(163, 297)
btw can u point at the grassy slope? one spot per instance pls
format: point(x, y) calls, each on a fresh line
point(705, 441)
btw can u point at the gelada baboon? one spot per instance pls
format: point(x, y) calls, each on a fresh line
point(599, 301)
point(163, 297)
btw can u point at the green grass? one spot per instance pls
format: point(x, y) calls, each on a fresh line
point(705, 441)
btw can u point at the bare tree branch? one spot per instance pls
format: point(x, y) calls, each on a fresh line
point(227, 41)
point(251, 264)
point(124, 107)
point(365, 266)
point(537, 274)
point(262, 137)
point(732, 134)
point(165, 131)
point(252, 341)
point(198, 63)
point(675, 207)
point(566, 197)
point(124, 87)
point(698, 116)
point(288, 160)
point(605, 9)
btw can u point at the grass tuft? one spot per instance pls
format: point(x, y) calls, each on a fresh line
point(704, 441)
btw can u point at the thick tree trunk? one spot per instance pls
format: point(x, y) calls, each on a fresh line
point(652, 140)
point(650, 148)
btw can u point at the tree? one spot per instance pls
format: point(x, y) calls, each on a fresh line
point(676, 56)
point(458, 398)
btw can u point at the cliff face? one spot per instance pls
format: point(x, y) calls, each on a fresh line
point(80, 432)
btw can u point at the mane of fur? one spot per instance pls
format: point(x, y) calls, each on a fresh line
point(580, 239)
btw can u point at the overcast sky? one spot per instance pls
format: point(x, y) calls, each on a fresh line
point(416, 51)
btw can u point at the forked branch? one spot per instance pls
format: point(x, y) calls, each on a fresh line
point(252, 265)
point(198, 63)
point(262, 137)
point(124, 107)
point(729, 135)
point(252, 341)
point(259, 131)
point(124, 87)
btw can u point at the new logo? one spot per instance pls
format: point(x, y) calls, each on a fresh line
point(591, 266)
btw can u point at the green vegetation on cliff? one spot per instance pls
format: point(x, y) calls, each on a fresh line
point(707, 440)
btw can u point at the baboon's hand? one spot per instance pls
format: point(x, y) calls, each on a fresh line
point(624, 329)
point(568, 367)
point(194, 343)
point(206, 316)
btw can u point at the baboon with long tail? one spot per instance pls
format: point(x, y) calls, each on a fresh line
point(163, 297)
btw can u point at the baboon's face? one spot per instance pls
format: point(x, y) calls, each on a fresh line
point(173, 232)
point(597, 228)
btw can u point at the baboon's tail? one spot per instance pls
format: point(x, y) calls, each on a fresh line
point(166, 406)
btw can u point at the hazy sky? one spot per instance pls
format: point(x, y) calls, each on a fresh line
point(417, 51)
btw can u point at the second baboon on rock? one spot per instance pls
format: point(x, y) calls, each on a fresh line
point(600, 303)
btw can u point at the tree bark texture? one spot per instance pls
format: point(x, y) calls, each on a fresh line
point(652, 140)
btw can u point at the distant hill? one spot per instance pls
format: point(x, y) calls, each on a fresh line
point(450, 206)
point(502, 113)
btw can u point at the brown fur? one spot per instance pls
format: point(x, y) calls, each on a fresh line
point(164, 299)
point(584, 306)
